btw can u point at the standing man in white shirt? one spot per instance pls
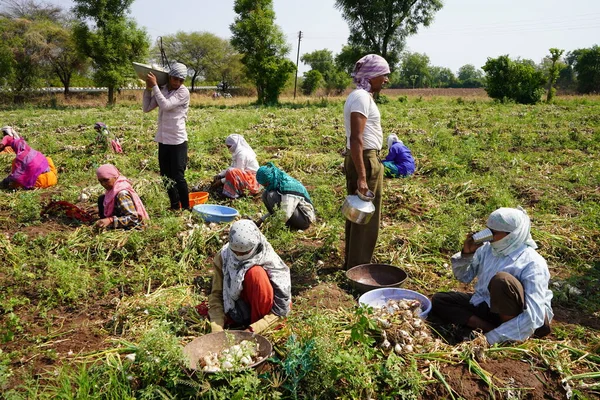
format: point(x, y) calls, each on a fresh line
point(173, 101)
point(364, 140)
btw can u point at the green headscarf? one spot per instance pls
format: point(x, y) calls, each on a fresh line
point(272, 178)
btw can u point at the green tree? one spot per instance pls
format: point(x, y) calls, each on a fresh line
point(469, 76)
point(22, 50)
point(587, 68)
point(263, 48)
point(312, 80)
point(414, 70)
point(553, 71)
point(202, 52)
point(334, 79)
point(348, 57)
point(62, 56)
point(31, 10)
point(382, 26)
point(516, 80)
point(110, 39)
point(441, 77)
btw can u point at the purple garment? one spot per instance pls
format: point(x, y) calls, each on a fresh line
point(28, 164)
point(368, 67)
point(401, 156)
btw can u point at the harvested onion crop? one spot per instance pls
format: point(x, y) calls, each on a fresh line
point(403, 330)
point(232, 358)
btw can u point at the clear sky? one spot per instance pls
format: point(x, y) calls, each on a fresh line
point(463, 32)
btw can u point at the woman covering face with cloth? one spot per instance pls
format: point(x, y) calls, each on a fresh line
point(251, 285)
point(511, 301)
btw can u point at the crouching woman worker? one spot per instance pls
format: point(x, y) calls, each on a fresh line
point(251, 285)
point(120, 207)
point(30, 168)
point(511, 300)
point(287, 193)
point(399, 161)
point(240, 178)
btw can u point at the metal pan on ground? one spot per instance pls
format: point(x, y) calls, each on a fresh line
point(367, 277)
point(162, 76)
point(215, 213)
point(216, 342)
point(379, 297)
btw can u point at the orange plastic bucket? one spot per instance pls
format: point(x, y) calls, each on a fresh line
point(198, 198)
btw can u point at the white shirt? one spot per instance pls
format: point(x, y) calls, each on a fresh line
point(362, 102)
point(289, 202)
point(529, 268)
point(172, 113)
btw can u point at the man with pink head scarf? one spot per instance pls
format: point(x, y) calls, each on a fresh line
point(364, 140)
point(120, 206)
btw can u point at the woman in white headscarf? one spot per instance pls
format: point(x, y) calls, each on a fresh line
point(251, 285)
point(11, 132)
point(240, 178)
point(399, 161)
point(512, 300)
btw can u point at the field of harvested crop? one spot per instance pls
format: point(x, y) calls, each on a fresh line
point(86, 314)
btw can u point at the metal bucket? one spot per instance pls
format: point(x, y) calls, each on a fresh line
point(359, 208)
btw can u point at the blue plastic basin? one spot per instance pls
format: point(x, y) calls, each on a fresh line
point(379, 297)
point(215, 212)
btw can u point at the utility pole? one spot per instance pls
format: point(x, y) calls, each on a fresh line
point(297, 60)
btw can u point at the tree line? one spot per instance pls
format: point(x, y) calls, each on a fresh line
point(96, 42)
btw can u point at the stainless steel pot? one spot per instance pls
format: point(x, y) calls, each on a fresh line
point(359, 208)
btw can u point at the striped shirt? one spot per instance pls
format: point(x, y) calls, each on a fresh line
point(172, 113)
point(528, 267)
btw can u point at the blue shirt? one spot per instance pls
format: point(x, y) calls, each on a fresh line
point(401, 156)
point(529, 268)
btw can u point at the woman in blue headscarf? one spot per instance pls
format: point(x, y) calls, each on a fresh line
point(288, 194)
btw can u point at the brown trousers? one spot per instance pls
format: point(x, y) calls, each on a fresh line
point(361, 239)
point(507, 297)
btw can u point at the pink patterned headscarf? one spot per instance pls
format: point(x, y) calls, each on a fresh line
point(28, 165)
point(368, 67)
point(108, 171)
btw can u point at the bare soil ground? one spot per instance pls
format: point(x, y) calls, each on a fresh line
point(516, 378)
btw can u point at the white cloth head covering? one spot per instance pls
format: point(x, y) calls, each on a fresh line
point(242, 155)
point(368, 67)
point(517, 223)
point(244, 235)
point(9, 131)
point(238, 144)
point(178, 70)
point(393, 139)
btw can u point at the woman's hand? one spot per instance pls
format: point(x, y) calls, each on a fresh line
point(103, 223)
point(469, 247)
point(216, 182)
point(150, 80)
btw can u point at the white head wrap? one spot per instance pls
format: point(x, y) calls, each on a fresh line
point(368, 67)
point(9, 131)
point(516, 222)
point(178, 70)
point(244, 236)
point(393, 139)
